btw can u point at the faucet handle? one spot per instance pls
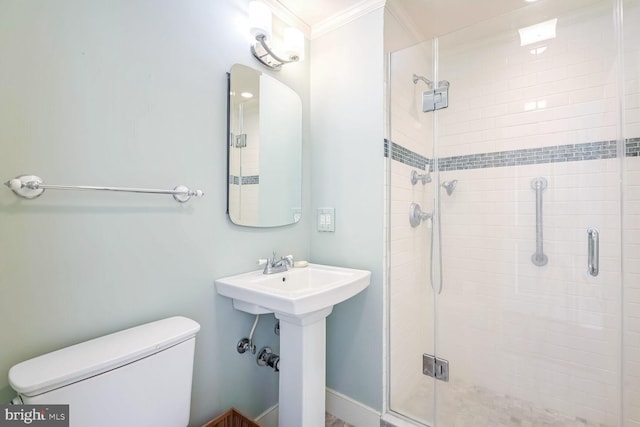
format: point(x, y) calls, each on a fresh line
point(262, 261)
point(289, 259)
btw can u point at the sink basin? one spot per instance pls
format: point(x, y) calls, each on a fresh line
point(296, 292)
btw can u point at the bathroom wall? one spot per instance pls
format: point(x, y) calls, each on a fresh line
point(347, 78)
point(631, 277)
point(631, 219)
point(552, 333)
point(132, 93)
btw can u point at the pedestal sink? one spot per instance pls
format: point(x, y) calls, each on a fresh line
point(301, 298)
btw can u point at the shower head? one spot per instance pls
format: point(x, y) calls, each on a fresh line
point(424, 79)
point(450, 186)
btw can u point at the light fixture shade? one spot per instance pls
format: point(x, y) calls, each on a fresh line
point(293, 43)
point(259, 19)
point(539, 32)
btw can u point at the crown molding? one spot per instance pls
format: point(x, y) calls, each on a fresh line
point(348, 15)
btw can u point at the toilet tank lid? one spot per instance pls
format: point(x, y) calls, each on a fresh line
point(71, 364)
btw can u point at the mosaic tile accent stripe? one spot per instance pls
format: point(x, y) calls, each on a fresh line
point(246, 180)
point(406, 156)
point(633, 147)
point(529, 156)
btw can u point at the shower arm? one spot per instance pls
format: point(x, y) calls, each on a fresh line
point(417, 78)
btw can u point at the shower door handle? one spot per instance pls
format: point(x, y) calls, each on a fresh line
point(593, 262)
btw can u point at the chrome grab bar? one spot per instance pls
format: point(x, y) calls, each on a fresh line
point(539, 258)
point(593, 262)
point(31, 186)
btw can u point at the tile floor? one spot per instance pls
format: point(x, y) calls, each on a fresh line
point(473, 406)
point(331, 421)
point(478, 407)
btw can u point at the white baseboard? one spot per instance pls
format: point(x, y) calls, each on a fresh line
point(351, 411)
point(337, 404)
point(399, 421)
point(268, 418)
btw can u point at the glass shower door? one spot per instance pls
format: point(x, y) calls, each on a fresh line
point(411, 301)
point(529, 316)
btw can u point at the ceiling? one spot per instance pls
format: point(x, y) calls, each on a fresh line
point(313, 12)
point(424, 18)
point(440, 16)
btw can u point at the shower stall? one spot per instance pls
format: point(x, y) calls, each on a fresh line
point(513, 215)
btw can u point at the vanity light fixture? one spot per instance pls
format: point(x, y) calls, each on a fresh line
point(260, 28)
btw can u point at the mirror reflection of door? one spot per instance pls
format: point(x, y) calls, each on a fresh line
point(264, 149)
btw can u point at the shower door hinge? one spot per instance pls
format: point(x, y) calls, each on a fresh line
point(241, 140)
point(436, 99)
point(435, 367)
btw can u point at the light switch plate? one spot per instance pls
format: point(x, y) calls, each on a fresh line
point(326, 219)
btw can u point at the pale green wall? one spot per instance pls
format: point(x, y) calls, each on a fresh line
point(347, 81)
point(129, 93)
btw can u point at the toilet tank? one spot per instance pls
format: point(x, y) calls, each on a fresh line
point(138, 377)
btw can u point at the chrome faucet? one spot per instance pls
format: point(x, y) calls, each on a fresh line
point(273, 265)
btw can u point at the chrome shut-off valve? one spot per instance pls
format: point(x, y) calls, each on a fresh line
point(266, 357)
point(245, 345)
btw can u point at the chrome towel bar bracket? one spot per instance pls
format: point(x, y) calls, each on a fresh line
point(31, 186)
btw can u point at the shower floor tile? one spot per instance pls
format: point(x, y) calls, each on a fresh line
point(472, 406)
point(478, 407)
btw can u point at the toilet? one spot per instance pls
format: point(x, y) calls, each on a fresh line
point(136, 377)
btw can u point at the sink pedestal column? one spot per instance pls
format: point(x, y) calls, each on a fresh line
point(302, 369)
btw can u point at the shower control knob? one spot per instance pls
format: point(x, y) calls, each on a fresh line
point(416, 215)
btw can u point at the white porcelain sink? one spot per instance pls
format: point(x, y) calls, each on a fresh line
point(301, 299)
point(296, 292)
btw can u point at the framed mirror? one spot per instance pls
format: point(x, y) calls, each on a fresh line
point(264, 150)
